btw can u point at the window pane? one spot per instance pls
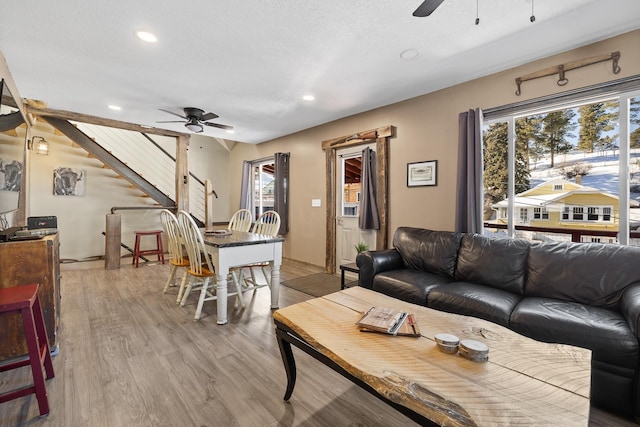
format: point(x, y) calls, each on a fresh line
point(351, 185)
point(566, 174)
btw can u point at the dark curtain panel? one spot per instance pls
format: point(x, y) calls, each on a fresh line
point(281, 191)
point(368, 218)
point(245, 192)
point(469, 184)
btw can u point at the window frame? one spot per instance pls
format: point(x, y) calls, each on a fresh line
point(622, 89)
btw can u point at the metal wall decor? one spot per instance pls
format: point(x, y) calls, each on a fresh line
point(561, 69)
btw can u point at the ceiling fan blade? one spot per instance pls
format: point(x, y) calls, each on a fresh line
point(216, 125)
point(171, 112)
point(427, 7)
point(171, 121)
point(209, 116)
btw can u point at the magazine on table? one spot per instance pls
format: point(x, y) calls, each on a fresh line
point(388, 321)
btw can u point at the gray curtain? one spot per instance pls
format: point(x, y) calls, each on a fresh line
point(281, 191)
point(245, 192)
point(469, 184)
point(368, 218)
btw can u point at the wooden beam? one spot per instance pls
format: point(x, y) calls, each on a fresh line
point(85, 118)
point(358, 138)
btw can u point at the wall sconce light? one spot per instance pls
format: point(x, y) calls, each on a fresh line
point(40, 145)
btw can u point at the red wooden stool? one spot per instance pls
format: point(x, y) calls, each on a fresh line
point(24, 300)
point(137, 253)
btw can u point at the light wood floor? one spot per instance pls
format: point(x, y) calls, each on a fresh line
point(129, 356)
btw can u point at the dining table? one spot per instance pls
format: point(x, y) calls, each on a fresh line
point(241, 248)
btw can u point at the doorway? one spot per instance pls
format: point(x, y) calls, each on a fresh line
point(379, 137)
point(348, 194)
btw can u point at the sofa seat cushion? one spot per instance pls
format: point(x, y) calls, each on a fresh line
point(605, 332)
point(407, 285)
point(474, 300)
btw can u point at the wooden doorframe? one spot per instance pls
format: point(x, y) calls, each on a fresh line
point(381, 136)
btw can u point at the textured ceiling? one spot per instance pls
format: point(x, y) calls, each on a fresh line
point(251, 61)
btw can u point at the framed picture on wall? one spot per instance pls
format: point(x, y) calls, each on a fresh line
point(69, 181)
point(420, 174)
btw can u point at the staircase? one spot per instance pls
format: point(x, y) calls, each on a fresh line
point(144, 161)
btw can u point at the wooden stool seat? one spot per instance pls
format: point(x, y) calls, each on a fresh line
point(158, 250)
point(24, 300)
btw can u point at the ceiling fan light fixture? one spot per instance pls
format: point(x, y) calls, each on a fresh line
point(194, 127)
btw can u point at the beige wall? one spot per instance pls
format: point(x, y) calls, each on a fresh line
point(427, 129)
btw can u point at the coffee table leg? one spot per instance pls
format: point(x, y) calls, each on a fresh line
point(289, 362)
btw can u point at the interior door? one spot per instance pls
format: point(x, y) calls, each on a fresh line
point(348, 191)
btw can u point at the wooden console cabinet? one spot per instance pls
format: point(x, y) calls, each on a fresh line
point(21, 263)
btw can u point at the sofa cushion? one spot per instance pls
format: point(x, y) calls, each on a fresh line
point(574, 272)
point(605, 332)
point(426, 250)
point(474, 300)
point(497, 262)
point(407, 285)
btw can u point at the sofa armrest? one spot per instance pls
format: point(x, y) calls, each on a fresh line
point(371, 263)
point(630, 307)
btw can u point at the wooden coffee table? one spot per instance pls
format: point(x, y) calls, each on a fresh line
point(525, 382)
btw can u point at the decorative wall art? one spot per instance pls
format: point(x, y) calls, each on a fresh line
point(69, 181)
point(421, 174)
point(10, 175)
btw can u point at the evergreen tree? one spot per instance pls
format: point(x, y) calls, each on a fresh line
point(556, 127)
point(590, 126)
point(528, 132)
point(634, 119)
point(495, 159)
point(495, 175)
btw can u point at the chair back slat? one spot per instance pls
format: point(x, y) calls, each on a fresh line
point(194, 243)
point(172, 231)
point(268, 223)
point(241, 220)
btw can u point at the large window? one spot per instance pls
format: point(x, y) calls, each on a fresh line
point(565, 172)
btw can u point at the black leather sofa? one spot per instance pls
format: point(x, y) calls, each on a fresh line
point(582, 294)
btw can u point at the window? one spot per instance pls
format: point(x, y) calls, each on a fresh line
point(540, 213)
point(263, 186)
point(578, 212)
point(537, 152)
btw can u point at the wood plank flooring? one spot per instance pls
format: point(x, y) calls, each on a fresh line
point(129, 356)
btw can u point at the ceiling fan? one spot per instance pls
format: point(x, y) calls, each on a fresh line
point(427, 7)
point(195, 118)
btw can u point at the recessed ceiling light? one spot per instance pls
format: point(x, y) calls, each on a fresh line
point(115, 107)
point(231, 131)
point(146, 36)
point(309, 97)
point(409, 54)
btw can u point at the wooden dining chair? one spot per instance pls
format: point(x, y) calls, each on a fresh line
point(241, 220)
point(177, 256)
point(200, 270)
point(268, 224)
